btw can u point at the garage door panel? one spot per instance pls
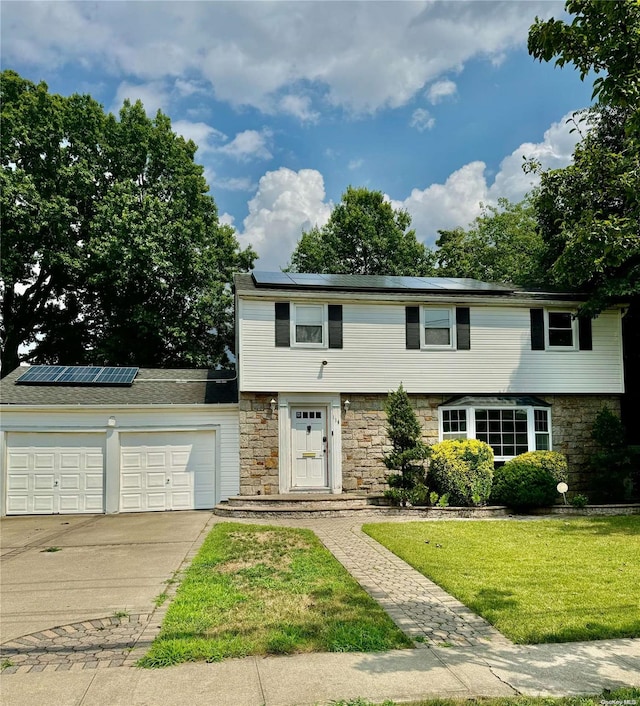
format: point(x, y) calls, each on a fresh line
point(43, 461)
point(44, 504)
point(52, 472)
point(17, 461)
point(177, 470)
point(17, 505)
point(43, 481)
point(156, 459)
point(131, 481)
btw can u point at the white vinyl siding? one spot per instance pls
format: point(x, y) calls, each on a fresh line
point(375, 359)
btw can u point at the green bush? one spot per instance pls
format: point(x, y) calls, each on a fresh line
point(462, 469)
point(615, 467)
point(529, 480)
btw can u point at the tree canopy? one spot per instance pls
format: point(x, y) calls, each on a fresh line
point(589, 212)
point(501, 245)
point(364, 235)
point(112, 248)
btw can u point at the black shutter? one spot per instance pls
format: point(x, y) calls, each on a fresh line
point(412, 328)
point(584, 333)
point(537, 329)
point(463, 328)
point(335, 325)
point(283, 330)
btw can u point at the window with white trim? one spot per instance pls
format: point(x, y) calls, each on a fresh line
point(438, 327)
point(309, 324)
point(510, 431)
point(454, 423)
point(561, 330)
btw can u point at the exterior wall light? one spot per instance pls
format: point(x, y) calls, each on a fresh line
point(347, 404)
point(273, 405)
point(111, 422)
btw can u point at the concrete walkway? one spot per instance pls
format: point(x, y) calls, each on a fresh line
point(458, 653)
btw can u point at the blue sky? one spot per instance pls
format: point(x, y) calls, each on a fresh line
point(433, 103)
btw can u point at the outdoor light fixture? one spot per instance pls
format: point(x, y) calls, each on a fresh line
point(111, 422)
point(347, 404)
point(273, 404)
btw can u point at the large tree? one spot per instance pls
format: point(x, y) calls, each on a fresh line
point(589, 212)
point(501, 245)
point(112, 248)
point(364, 235)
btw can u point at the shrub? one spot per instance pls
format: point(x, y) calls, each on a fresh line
point(462, 469)
point(615, 466)
point(529, 480)
point(408, 452)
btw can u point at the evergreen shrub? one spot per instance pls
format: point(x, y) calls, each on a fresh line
point(462, 469)
point(529, 480)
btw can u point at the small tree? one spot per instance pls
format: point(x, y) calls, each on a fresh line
point(408, 451)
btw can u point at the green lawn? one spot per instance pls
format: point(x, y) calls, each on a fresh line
point(268, 590)
point(536, 581)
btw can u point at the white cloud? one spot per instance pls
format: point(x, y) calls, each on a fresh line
point(154, 96)
point(440, 90)
point(201, 133)
point(457, 201)
point(421, 120)
point(357, 56)
point(248, 145)
point(299, 107)
point(227, 219)
point(355, 164)
point(285, 204)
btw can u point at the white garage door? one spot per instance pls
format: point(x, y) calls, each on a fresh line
point(167, 471)
point(50, 473)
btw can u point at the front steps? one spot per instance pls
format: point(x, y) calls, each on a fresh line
point(297, 505)
point(311, 505)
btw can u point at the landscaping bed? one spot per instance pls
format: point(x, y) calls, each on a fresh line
point(548, 580)
point(268, 590)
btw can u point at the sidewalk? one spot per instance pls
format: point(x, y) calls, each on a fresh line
point(305, 680)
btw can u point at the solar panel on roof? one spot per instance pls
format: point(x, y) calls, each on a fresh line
point(376, 282)
point(77, 375)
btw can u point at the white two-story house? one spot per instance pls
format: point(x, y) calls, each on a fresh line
point(318, 355)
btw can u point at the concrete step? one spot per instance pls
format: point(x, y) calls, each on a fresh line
point(318, 501)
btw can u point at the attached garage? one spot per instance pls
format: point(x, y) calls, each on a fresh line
point(51, 473)
point(168, 440)
point(167, 471)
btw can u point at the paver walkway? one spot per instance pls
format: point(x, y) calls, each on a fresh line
point(420, 608)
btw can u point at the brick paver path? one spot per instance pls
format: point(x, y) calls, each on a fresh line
point(419, 607)
point(91, 644)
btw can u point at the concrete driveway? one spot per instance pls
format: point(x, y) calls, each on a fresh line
point(103, 564)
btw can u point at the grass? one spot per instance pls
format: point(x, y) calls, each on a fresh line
point(626, 695)
point(268, 590)
point(536, 581)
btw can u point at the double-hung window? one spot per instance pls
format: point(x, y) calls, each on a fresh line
point(309, 325)
point(511, 428)
point(561, 330)
point(438, 329)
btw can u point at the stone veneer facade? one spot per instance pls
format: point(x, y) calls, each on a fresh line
point(364, 438)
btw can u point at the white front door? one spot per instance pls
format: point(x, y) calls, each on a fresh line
point(167, 471)
point(309, 448)
point(51, 473)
